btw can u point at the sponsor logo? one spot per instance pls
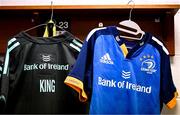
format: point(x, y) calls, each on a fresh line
point(106, 83)
point(106, 59)
point(111, 83)
point(46, 58)
point(126, 75)
point(44, 66)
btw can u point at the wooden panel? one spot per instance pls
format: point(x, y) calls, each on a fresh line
point(168, 32)
point(10, 25)
point(120, 6)
point(159, 22)
point(160, 25)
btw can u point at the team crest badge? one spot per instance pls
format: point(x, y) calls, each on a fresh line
point(148, 64)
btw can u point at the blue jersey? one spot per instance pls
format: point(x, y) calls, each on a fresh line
point(123, 77)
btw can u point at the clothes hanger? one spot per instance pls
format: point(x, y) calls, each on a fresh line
point(49, 25)
point(130, 27)
point(50, 29)
point(100, 24)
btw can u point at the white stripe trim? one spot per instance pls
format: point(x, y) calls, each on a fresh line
point(92, 32)
point(3, 98)
point(7, 56)
point(11, 41)
point(0, 70)
point(75, 47)
point(6, 63)
point(77, 43)
point(160, 43)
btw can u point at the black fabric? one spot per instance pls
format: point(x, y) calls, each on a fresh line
point(2, 104)
point(167, 88)
point(37, 69)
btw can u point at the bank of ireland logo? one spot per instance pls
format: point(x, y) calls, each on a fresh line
point(126, 74)
point(46, 58)
point(148, 64)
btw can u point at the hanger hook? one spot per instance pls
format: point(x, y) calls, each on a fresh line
point(132, 7)
point(52, 10)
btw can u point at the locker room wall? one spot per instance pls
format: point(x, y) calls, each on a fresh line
point(175, 60)
point(160, 22)
point(175, 64)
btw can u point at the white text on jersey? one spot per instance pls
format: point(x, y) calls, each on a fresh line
point(47, 85)
point(45, 66)
point(124, 85)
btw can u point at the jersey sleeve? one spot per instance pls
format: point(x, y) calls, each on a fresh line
point(80, 76)
point(168, 89)
point(9, 66)
point(0, 70)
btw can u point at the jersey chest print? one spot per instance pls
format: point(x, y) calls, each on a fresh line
point(123, 78)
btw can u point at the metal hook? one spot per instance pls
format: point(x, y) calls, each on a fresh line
point(52, 10)
point(131, 8)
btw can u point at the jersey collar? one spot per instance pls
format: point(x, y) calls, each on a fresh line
point(135, 49)
point(65, 36)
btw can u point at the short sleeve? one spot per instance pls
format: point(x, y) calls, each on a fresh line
point(9, 66)
point(80, 76)
point(168, 89)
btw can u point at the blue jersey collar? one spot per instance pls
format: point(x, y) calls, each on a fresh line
point(122, 42)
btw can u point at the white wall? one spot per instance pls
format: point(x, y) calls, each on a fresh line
point(175, 66)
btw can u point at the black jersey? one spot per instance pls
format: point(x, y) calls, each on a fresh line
point(1, 101)
point(1, 67)
point(34, 72)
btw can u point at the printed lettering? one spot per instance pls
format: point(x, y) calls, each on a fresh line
point(120, 84)
point(105, 82)
point(124, 85)
point(138, 88)
point(45, 66)
point(31, 67)
point(47, 85)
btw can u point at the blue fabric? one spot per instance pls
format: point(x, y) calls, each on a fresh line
point(118, 94)
point(134, 84)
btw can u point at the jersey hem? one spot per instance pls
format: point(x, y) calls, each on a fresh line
point(171, 104)
point(77, 85)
